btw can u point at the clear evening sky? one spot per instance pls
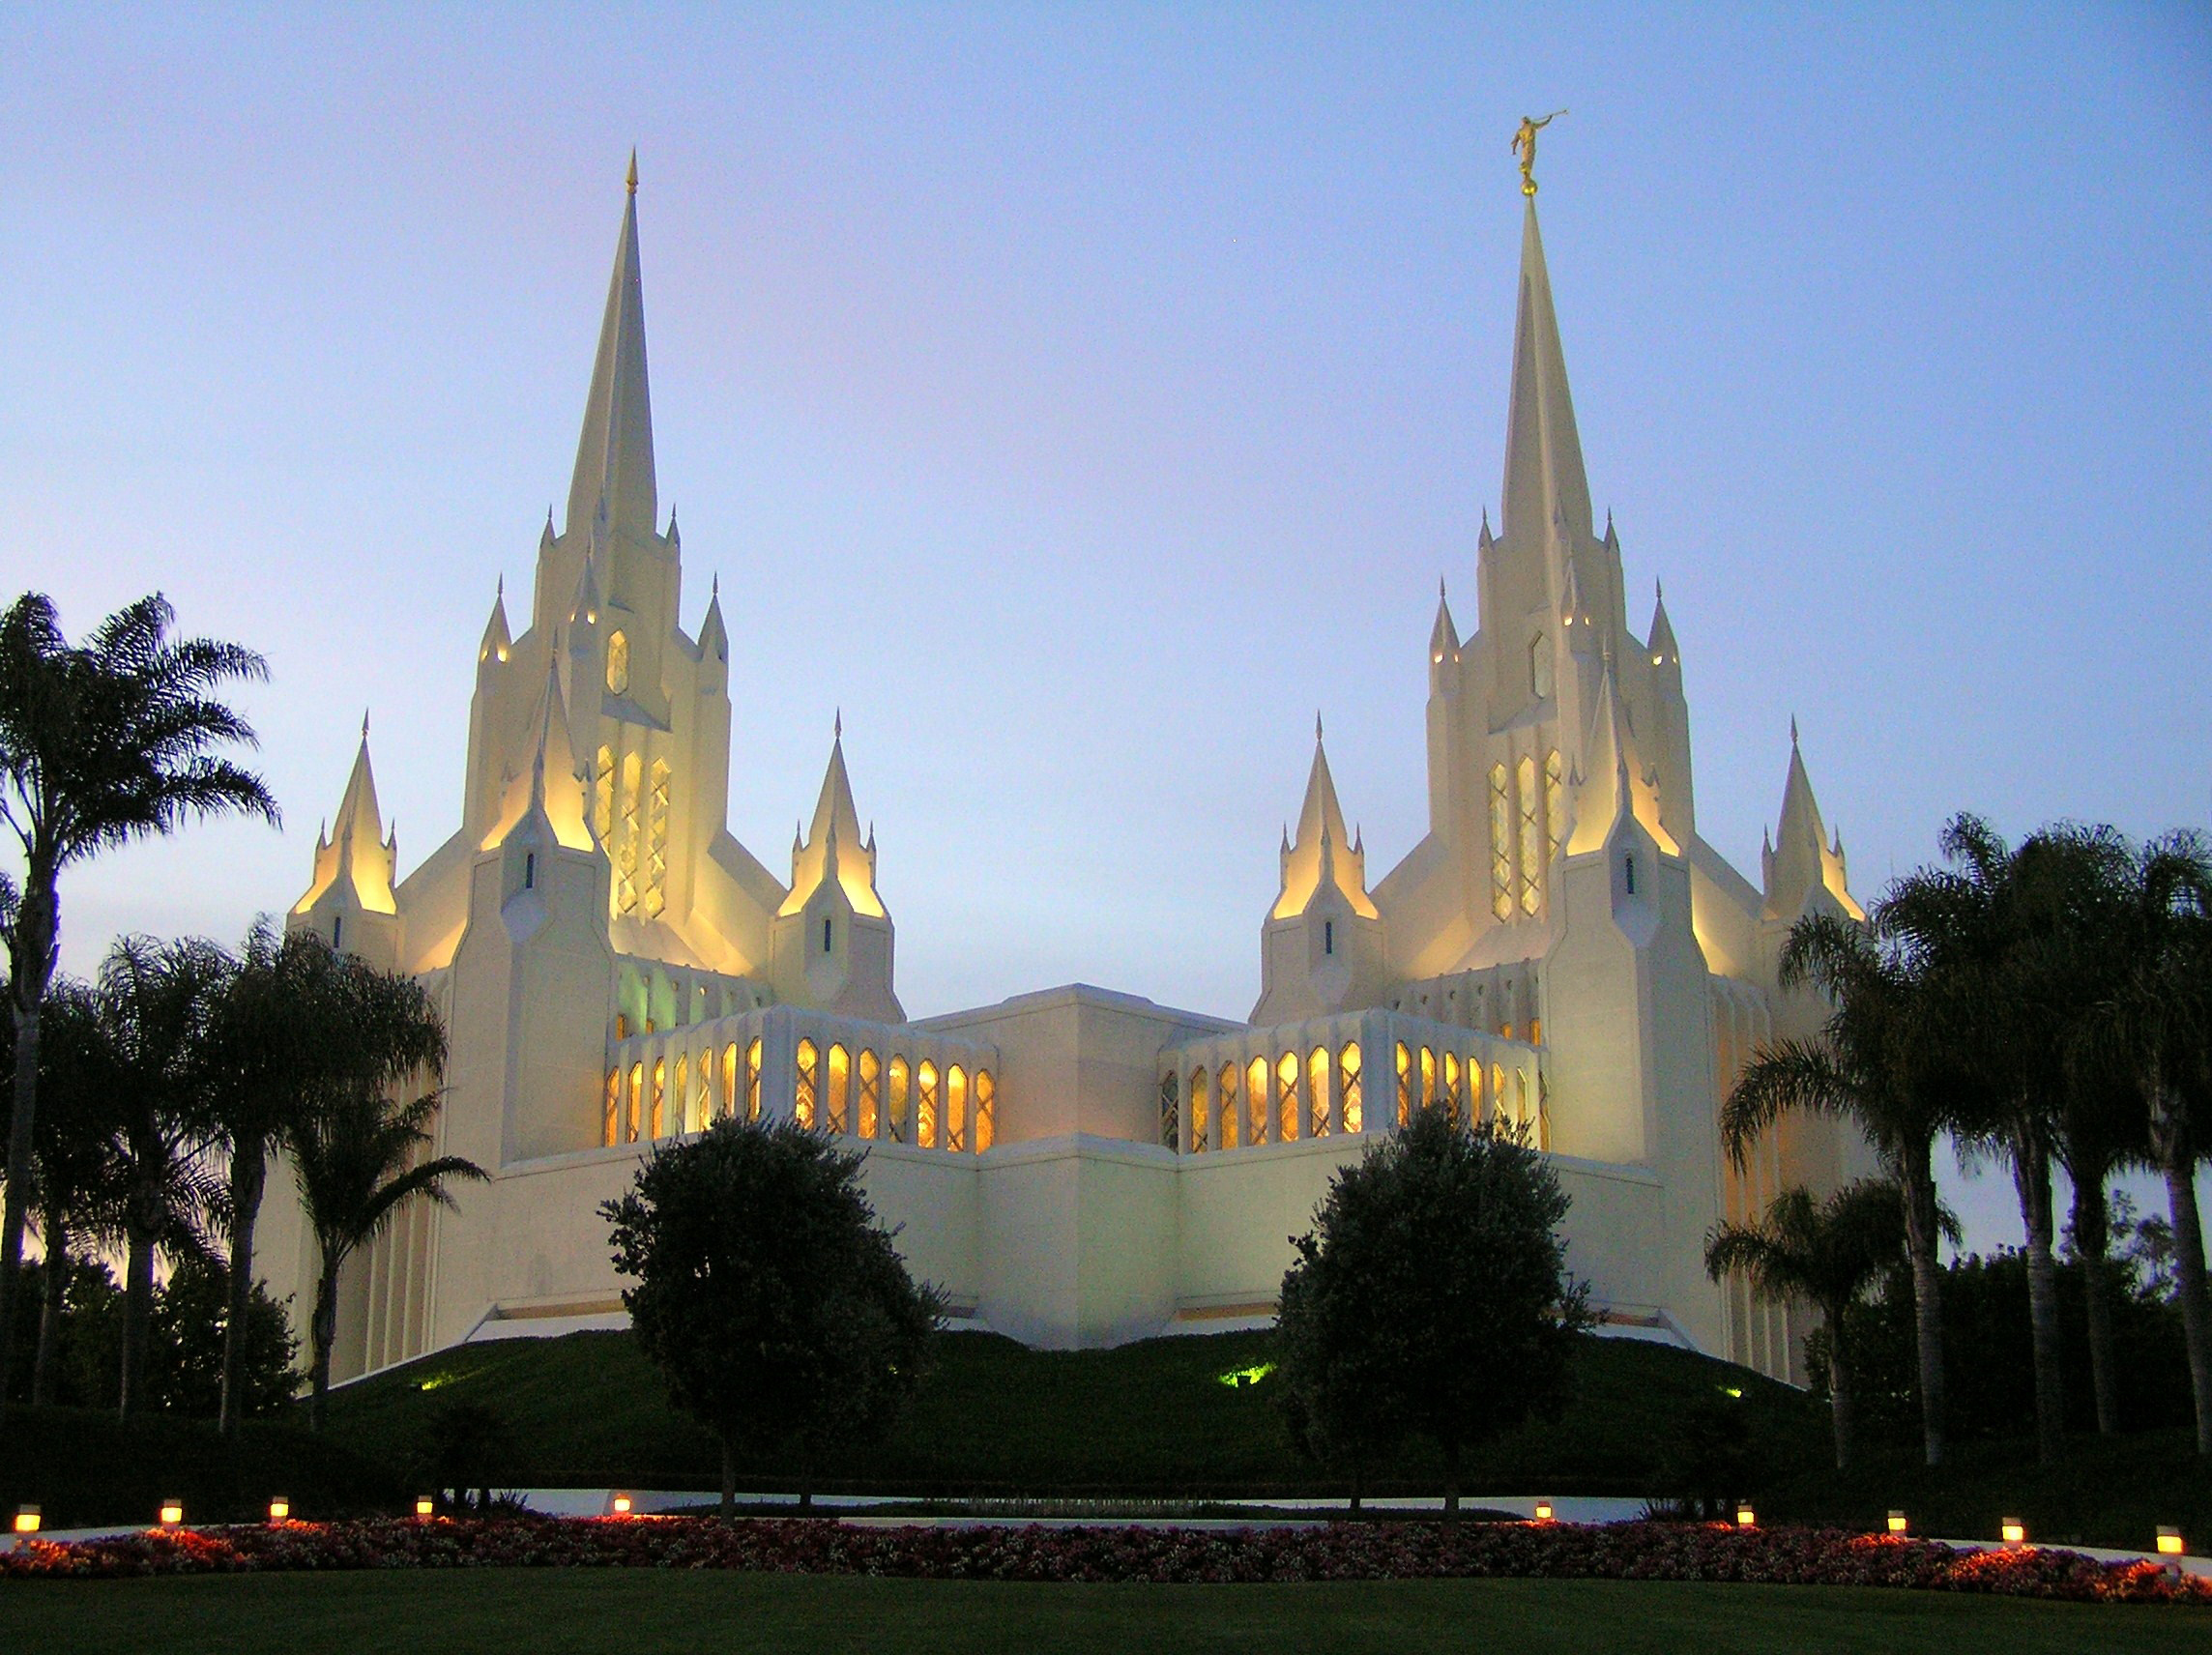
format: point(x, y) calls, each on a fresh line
point(1079, 397)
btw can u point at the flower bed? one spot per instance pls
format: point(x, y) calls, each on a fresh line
point(1330, 1551)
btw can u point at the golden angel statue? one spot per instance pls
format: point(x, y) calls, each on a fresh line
point(1525, 146)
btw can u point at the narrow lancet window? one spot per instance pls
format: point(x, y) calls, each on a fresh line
point(1348, 1082)
point(1501, 844)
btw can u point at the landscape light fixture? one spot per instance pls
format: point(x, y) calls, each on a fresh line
point(1745, 1517)
point(2014, 1531)
point(1543, 1511)
point(172, 1513)
point(2169, 1541)
point(279, 1509)
point(619, 1505)
point(1896, 1523)
point(27, 1520)
point(425, 1505)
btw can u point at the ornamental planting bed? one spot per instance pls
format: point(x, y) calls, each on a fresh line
point(1330, 1551)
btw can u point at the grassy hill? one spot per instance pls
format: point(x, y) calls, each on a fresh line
point(1152, 1420)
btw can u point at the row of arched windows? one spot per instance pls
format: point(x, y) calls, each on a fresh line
point(662, 1097)
point(1260, 1101)
point(897, 1102)
point(630, 812)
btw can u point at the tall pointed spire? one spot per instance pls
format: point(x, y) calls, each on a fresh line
point(1665, 652)
point(614, 455)
point(356, 850)
point(836, 821)
point(1543, 453)
point(1803, 855)
point(1319, 853)
point(1444, 636)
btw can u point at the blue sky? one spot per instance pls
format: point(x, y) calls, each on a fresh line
point(1080, 396)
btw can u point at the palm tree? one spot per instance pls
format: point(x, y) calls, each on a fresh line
point(355, 1147)
point(101, 743)
point(1827, 1252)
point(302, 1023)
point(2157, 1023)
point(155, 1003)
point(79, 1169)
point(1869, 1066)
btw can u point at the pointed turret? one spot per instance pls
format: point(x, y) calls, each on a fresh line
point(1803, 859)
point(496, 638)
point(350, 900)
point(1664, 651)
point(1322, 945)
point(551, 788)
point(614, 455)
point(830, 943)
point(1444, 636)
point(1543, 452)
point(834, 818)
point(713, 633)
point(1311, 859)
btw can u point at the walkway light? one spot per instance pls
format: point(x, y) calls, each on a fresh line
point(1896, 1523)
point(1543, 1511)
point(279, 1509)
point(1745, 1517)
point(2169, 1541)
point(172, 1513)
point(27, 1520)
point(425, 1505)
point(2014, 1531)
point(620, 1505)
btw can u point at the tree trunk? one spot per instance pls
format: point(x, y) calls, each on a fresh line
point(729, 1480)
point(806, 1479)
point(325, 1332)
point(2092, 1237)
point(249, 1174)
point(2189, 1278)
point(55, 1268)
point(1358, 1478)
point(1921, 1231)
point(2031, 1178)
point(1451, 1479)
point(1841, 1405)
point(137, 1322)
point(31, 957)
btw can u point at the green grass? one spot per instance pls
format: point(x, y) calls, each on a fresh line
point(639, 1612)
point(1147, 1419)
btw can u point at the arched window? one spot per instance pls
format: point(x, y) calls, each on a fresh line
point(1473, 1090)
point(1317, 1089)
point(871, 1093)
point(752, 1077)
point(617, 662)
point(1498, 1091)
point(1535, 1031)
point(986, 1111)
point(1501, 844)
point(1171, 1110)
point(626, 845)
point(657, 842)
point(1540, 667)
point(612, 1120)
point(802, 1096)
point(1405, 1084)
point(659, 1096)
point(729, 1080)
point(1452, 1086)
point(622, 1026)
point(1257, 1093)
point(1531, 838)
point(925, 1105)
point(1286, 1098)
point(1428, 1078)
point(898, 1099)
point(1232, 1107)
point(686, 1120)
point(604, 795)
point(703, 1102)
point(1348, 1081)
point(840, 1083)
point(1521, 1097)
point(1555, 801)
point(1201, 1114)
point(956, 1109)
point(636, 1100)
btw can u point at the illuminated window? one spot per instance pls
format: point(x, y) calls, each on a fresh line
point(925, 1105)
point(703, 1103)
point(1232, 1106)
point(986, 1111)
point(610, 1125)
point(657, 842)
point(1171, 1110)
point(1428, 1078)
point(1554, 801)
point(622, 1026)
point(617, 663)
point(626, 853)
point(1501, 844)
point(1405, 1084)
point(636, 1100)
point(871, 1093)
point(604, 795)
point(1286, 1098)
point(802, 1102)
point(1540, 666)
point(729, 1080)
point(1348, 1081)
point(956, 1109)
point(1256, 1095)
point(753, 1079)
point(1498, 1089)
point(1317, 1089)
point(1473, 1089)
point(1505, 1030)
point(1520, 1095)
point(686, 1119)
point(1452, 1086)
point(840, 1083)
point(1201, 1112)
point(1535, 1031)
point(898, 1099)
point(1531, 840)
point(659, 1096)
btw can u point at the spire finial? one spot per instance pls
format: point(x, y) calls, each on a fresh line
point(714, 585)
point(1793, 732)
point(1440, 587)
point(499, 588)
point(1317, 726)
point(1525, 146)
point(365, 723)
point(837, 726)
point(632, 180)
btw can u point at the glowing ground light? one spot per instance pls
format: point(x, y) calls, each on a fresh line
point(620, 1505)
point(1240, 1378)
point(425, 1505)
point(280, 1510)
point(1896, 1523)
point(2168, 1542)
point(27, 1520)
point(1746, 1518)
point(172, 1513)
point(2014, 1531)
point(1543, 1511)
point(1735, 1391)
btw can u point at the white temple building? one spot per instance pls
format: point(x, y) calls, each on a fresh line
point(1074, 1167)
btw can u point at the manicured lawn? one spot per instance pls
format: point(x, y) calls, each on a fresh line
point(554, 1611)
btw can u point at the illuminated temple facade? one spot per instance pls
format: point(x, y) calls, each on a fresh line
point(1073, 1167)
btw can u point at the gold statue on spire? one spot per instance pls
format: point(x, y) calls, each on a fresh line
point(631, 181)
point(1525, 146)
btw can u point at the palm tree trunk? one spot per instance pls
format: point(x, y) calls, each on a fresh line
point(325, 1333)
point(55, 1269)
point(1843, 1409)
point(728, 1479)
point(31, 957)
point(2092, 1237)
point(137, 1322)
point(2031, 1177)
point(1359, 1482)
point(2189, 1279)
point(1451, 1479)
point(1921, 1231)
point(249, 1172)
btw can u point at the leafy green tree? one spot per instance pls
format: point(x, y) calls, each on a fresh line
point(1871, 1064)
point(356, 1152)
point(192, 1333)
point(776, 1306)
point(1433, 1287)
point(1330, 1384)
point(468, 1442)
point(1828, 1252)
point(101, 743)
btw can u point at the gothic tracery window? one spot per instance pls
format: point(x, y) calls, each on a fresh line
point(899, 1078)
point(956, 1109)
point(802, 1093)
point(1531, 838)
point(925, 1104)
point(1232, 1107)
point(617, 662)
point(1201, 1112)
point(1317, 1089)
point(871, 1093)
point(1257, 1089)
point(1501, 844)
point(1286, 1098)
point(986, 1110)
point(656, 841)
point(833, 1119)
point(1348, 1072)
point(1555, 801)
